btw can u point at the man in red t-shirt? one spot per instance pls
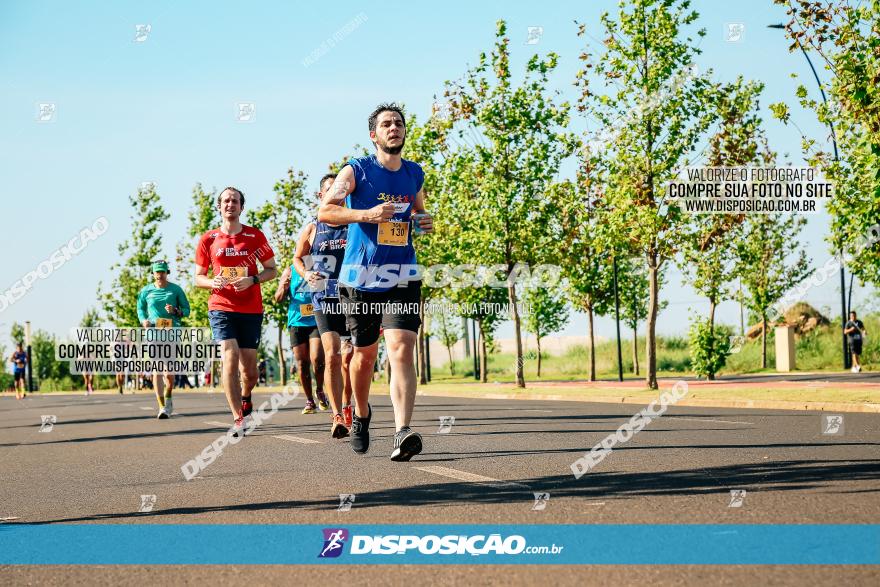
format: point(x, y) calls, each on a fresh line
point(235, 307)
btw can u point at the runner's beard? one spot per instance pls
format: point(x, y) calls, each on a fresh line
point(391, 150)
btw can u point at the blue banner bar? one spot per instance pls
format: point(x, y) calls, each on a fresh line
point(213, 544)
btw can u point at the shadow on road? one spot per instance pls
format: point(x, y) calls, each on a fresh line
point(767, 476)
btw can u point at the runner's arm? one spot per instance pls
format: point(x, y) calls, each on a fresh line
point(202, 279)
point(303, 248)
point(427, 222)
point(182, 304)
point(142, 307)
point(283, 285)
point(270, 270)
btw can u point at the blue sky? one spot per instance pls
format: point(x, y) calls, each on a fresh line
point(163, 110)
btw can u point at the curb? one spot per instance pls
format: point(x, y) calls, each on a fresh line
point(703, 403)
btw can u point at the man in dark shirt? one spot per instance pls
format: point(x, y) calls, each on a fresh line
point(855, 333)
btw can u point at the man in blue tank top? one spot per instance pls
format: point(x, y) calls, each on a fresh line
point(318, 260)
point(378, 284)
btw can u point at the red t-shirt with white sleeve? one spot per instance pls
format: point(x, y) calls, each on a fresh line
point(234, 255)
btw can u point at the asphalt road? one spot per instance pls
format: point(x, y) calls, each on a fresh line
point(105, 451)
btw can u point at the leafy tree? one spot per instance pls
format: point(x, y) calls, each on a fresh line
point(283, 219)
point(710, 346)
point(632, 287)
point(202, 217)
point(658, 108)
point(16, 333)
point(132, 270)
point(586, 267)
point(446, 327)
point(525, 142)
point(548, 313)
point(91, 319)
point(43, 352)
point(845, 38)
point(708, 258)
point(770, 261)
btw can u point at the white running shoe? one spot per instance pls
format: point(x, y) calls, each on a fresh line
point(162, 415)
point(858, 368)
point(169, 405)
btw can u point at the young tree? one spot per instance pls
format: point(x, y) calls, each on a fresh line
point(283, 218)
point(708, 259)
point(525, 143)
point(658, 109)
point(447, 327)
point(16, 333)
point(132, 270)
point(632, 287)
point(202, 217)
point(771, 260)
point(548, 313)
point(586, 266)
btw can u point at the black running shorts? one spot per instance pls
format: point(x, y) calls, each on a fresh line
point(367, 311)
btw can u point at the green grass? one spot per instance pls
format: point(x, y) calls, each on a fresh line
point(818, 351)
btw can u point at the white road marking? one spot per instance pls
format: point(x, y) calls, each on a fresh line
point(8, 519)
point(595, 503)
point(298, 439)
point(711, 420)
point(146, 408)
point(221, 424)
point(465, 476)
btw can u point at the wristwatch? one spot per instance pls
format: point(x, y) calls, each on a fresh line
point(256, 280)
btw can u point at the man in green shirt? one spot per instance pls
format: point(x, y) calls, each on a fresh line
point(162, 304)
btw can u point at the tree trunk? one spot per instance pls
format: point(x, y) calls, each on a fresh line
point(711, 376)
point(635, 351)
point(483, 358)
point(651, 325)
point(763, 341)
point(511, 295)
point(539, 356)
point(282, 365)
point(592, 344)
point(451, 363)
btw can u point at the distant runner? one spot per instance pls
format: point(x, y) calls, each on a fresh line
point(162, 304)
point(305, 340)
point(318, 260)
point(855, 334)
point(19, 371)
point(235, 307)
point(384, 200)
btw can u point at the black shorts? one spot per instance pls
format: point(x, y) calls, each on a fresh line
point(20, 374)
point(246, 329)
point(367, 311)
point(330, 318)
point(301, 334)
point(855, 346)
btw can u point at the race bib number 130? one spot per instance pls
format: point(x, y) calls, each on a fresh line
point(394, 233)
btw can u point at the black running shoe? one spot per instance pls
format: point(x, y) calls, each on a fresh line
point(407, 444)
point(360, 432)
point(246, 407)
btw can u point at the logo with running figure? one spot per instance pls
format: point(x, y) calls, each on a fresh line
point(832, 424)
point(334, 541)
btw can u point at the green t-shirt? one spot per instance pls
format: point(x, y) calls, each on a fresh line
point(152, 300)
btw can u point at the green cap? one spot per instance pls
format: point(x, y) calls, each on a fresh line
point(160, 266)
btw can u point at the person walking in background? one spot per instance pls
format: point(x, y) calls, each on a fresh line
point(855, 334)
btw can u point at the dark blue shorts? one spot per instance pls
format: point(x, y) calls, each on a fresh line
point(244, 328)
